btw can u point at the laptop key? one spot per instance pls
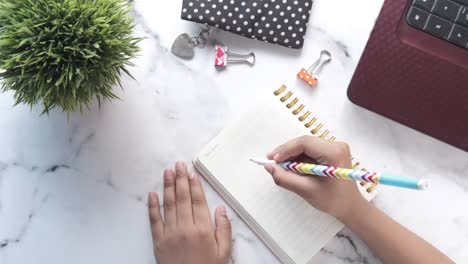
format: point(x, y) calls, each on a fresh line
point(437, 26)
point(463, 2)
point(417, 17)
point(424, 4)
point(462, 18)
point(458, 35)
point(446, 9)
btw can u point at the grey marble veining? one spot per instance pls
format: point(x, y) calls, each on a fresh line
point(73, 190)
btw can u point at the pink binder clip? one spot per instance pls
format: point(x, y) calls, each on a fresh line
point(223, 57)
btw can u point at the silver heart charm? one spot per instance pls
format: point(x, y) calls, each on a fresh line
point(182, 47)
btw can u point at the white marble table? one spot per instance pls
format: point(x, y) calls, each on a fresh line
point(73, 190)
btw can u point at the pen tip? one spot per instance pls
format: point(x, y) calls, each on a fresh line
point(262, 162)
point(254, 161)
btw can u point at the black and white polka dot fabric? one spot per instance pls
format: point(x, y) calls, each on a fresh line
point(282, 22)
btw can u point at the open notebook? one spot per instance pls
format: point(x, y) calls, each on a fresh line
point(288, 225)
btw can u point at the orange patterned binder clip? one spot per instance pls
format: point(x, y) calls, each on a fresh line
point(310, 76)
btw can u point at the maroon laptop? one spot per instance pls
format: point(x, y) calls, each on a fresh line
point(414, 68)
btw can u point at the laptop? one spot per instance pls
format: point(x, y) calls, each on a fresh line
point(414, 68)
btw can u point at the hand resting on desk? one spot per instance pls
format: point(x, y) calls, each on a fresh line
point(186, 234)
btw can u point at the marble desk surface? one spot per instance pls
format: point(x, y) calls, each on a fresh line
point(73, 190)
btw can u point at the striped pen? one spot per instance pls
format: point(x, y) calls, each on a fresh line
point(348, 174)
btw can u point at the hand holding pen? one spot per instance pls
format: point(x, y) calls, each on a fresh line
point(285, 173)
point(342, 199)
point(324, 193)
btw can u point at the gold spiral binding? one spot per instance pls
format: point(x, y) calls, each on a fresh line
point(304, 116)
point(280, 90)
point(292, 103)
point(371, 188)
point(317, 129)
point(298, 110)
point(311, 122)
point(286, 97)
point(324, 134)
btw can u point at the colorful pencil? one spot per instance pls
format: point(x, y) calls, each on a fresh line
point(348, 174)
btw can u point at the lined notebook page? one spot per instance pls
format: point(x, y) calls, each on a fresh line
point(291, 224)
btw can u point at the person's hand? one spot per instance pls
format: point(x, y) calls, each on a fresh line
point(186, 234)
point(336, 197)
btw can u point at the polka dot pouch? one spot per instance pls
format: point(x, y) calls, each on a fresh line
point(281, 22)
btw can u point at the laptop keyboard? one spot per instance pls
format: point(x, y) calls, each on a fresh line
point(445, 19)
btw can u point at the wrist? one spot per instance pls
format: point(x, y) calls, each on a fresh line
point(356, 212)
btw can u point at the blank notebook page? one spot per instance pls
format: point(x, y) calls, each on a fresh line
point(290, 224)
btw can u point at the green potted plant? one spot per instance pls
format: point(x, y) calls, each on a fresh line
point(64, 53)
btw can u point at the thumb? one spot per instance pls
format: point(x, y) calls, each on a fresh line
point(223, 233)
point(291, 181)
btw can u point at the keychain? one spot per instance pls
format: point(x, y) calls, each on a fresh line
point(310, 76)
point(184, 45)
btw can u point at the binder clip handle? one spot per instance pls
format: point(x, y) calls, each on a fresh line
point(223, 57)
point(314, 69)
point(310, 76)
point(241, 58)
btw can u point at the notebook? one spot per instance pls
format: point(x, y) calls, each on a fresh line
point(292, 229)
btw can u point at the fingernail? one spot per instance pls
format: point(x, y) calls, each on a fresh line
point(271, 153)
point(276, 156)
point(192, 175)
point(180, 164)
point(168, 174)
point(222, 210)
point(269, 168)
point(152, 199)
